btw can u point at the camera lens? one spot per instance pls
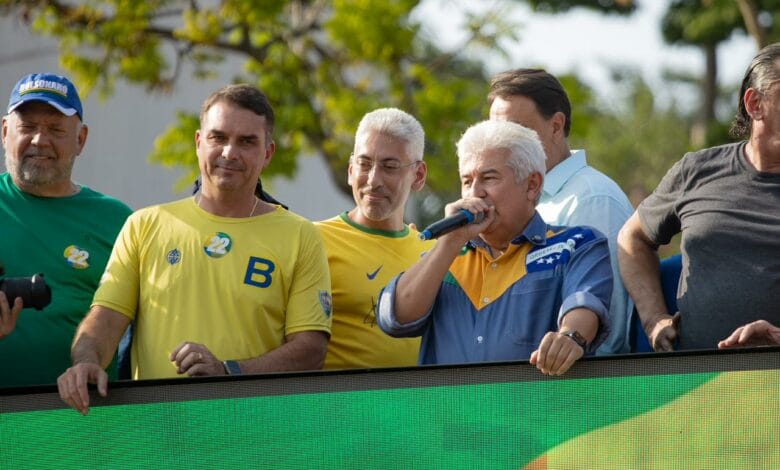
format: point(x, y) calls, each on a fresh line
point(33, 290)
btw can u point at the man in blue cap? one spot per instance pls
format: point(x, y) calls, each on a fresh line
point(51, 225)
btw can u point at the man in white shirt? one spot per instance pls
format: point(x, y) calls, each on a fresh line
point(574, 193)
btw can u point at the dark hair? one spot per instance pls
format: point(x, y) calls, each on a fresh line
point(761, 74)
point(243, 96)
point(539, 86)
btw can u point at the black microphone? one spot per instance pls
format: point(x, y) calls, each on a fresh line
point(448, 224)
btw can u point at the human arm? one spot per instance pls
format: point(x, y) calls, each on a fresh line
point(93, 348)
point(556, 352)
point(639, 267)
point(416, 289)
point(758, 333)
point(304, 350)
point(8, 315)
point(584, 309)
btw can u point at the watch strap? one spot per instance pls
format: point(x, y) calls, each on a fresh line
point(232, 367)
point(576, 337)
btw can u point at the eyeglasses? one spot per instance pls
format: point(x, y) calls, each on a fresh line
point(389, 166)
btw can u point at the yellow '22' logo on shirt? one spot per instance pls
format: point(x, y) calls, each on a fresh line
point(218, 245)
point(76, 257)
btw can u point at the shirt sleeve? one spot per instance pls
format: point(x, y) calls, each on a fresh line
point(658, 213)
point(310, 304)
point(588, 284)
point(119, 286)
point(387, 320)
point(601, 212)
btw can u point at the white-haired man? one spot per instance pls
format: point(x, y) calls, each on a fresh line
point(509, 287)
point(574, 192)
point(370, 243)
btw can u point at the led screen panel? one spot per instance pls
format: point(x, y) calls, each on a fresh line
point(678, 410)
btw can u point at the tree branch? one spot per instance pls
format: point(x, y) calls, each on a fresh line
point(749, 12)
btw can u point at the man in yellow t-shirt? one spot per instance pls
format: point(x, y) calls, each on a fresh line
point(370, 244)
point(222, 283)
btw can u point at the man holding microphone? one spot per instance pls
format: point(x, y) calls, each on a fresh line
point(508, 287)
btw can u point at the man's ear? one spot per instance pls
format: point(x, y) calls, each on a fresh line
point(5, 128)
point(350, 169)
point(752, 101)
point(82, 137)
point(559, 125)
point(269, 153)
point(420, 174)
point(535, 182)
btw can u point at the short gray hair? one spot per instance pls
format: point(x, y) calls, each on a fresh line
point(526, 154)
point(398, 124)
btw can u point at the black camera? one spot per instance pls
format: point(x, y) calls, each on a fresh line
point(33, 290)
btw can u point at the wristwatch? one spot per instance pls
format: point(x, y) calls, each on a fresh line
point(232, 367)
point(576, 337)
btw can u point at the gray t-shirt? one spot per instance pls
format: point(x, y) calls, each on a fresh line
point(729, 215)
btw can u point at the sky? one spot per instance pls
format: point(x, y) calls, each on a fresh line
point(587, 42)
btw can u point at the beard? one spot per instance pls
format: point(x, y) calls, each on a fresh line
point(31, 172)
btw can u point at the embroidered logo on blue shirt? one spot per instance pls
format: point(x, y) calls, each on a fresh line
point(558, 249)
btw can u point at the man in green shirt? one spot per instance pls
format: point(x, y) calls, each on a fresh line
point(50, 225)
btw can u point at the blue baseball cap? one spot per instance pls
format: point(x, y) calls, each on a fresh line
point(49, 88)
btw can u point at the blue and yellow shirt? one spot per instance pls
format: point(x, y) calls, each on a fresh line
point(499, 309)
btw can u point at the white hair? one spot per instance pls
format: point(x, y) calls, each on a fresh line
point(526, 154)
point(398, 124)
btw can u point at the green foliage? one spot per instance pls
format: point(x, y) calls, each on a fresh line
point(635, 143)
point(702, 22)
point(692, 22)
point(323, 64)
point(622, 7)
point(584, 106)
point(384, 39)
point(706, 24)
point(176, 148)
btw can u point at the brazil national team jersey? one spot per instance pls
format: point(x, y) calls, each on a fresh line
point(237, 285)
point(362, 261)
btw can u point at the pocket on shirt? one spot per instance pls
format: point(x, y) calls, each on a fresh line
point(534, 311)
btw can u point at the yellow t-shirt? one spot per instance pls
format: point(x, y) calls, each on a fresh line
point(362, 261)
point(236, 285)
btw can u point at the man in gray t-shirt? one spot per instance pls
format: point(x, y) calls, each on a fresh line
point(726, 202)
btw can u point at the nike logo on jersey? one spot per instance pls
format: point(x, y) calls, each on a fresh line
point(371, 276)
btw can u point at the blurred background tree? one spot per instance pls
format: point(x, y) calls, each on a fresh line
point(706, 24)
point(325, 63)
